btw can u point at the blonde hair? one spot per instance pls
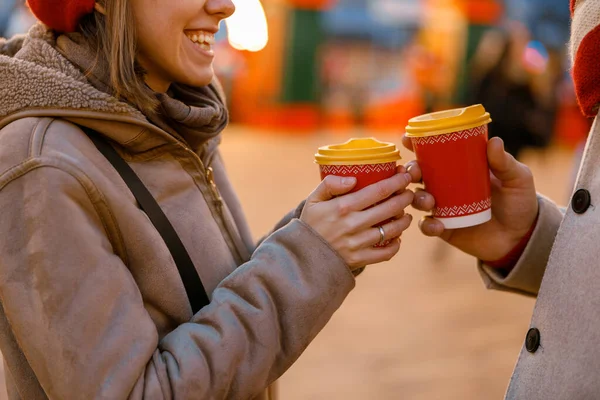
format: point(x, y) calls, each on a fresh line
point(114, 37)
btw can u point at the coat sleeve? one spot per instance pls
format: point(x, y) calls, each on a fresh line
point(287, 218)
point(526, 276)
point(79, 317)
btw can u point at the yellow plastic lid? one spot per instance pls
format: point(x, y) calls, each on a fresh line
point(358, 152)
point(443, 122)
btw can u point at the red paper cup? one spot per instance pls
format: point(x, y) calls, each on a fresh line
point(365, 175)
point(451, 148)
point(368, 160)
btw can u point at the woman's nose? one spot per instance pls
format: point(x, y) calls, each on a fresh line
point(222, 8)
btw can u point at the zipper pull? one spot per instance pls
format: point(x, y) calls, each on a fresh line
point(210, 177)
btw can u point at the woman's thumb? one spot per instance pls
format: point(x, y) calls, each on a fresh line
point(331, 187)
point(503, 165)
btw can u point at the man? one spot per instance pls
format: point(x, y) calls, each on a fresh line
point(537, 249)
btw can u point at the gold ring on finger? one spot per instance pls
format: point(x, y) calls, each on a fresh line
point(381, 236)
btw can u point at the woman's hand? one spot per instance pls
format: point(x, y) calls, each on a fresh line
point(514, 207)
point(349, 223)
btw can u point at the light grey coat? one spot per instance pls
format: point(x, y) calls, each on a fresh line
point(561, 266)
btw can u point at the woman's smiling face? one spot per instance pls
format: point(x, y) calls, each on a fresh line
point(175, 38)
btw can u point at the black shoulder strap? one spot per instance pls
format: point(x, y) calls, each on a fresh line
point(191, 280)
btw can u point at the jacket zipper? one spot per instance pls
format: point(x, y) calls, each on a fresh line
point(210, 177)
point(216, 205)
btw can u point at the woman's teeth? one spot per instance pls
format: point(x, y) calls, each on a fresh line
point(204, 40)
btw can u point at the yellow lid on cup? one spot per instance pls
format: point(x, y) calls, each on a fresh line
point(358, 152)
point(443, 122)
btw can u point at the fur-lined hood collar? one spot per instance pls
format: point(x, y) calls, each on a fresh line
point(36, 80)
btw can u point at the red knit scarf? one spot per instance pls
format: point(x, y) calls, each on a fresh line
point(585, 54)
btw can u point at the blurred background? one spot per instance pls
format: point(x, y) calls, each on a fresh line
point(303, 73)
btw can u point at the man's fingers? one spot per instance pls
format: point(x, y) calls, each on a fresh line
point(413, 168)
point(391, 208)
point(503, 165)
point(431, 227)
point(423, 201)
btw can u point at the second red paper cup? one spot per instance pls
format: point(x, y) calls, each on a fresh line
point(366, 159)
point(451, 148)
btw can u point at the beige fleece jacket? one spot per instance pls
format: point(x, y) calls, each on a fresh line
point(92, 304)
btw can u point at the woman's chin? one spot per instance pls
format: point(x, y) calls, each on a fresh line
point(198, 79)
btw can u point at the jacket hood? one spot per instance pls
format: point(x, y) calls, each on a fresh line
point(36, 80)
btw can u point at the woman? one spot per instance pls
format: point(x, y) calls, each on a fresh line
point(92, 302)
point(535, 248)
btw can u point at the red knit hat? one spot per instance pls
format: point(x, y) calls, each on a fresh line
point(61, 15)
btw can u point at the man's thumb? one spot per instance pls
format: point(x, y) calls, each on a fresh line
point(503, 165)
point(331, 187)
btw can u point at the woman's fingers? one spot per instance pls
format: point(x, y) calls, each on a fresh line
point(391, 208)
point(373, 255)
point(392, 230)
point(373, 194)
point(400, 169)
point(331, 187)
